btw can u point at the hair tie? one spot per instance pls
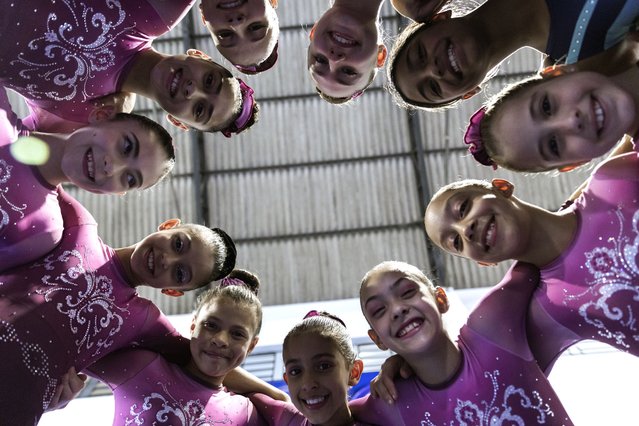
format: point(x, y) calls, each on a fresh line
point(265, 65)
point(248, 102)
point(472, 137)
point(315, 313)
point(229, 281)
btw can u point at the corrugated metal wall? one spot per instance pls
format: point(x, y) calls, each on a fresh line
point(316, 194)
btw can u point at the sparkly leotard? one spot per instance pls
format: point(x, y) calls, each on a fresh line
point(63, 54)
point(498, 381)
point(69, 308)
point(30, 220)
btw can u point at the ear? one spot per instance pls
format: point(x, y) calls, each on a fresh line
point(273, 3)
point(177, 123)
point(442, 16)
point(356, 372)
point(169, 224)
point(570, 167)
point(252, 345)
point(202, 15)
point(198, 54)
point(382, 53)
point(102, 113)
point(505, 187)
point(192, 328)
point(311, 35)
point(442, 300)
point(172, 293)
point(285, 377)
point(471, 93)
point(375, 338)
point(480, 263)
point(552, 71)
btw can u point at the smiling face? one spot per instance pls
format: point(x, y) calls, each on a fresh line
point(111, 157)
point(342, 54)
point(244, 31)
point(561, 121)
point(318, 378)
point(441, 62)
point(198, 92)
point(478, 223)
point(223, 334)
point(402, 313)
point(179, 258)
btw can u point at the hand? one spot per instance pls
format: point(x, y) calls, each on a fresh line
point(383, 385)
point(70, 386)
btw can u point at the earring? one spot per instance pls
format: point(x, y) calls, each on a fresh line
point(564, 169)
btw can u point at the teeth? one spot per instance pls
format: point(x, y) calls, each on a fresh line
point(151, 261)
point(342, 40)
point(315, 401)
point(599, 115)
point(231, 5)
point(410, 327)
point(90, 165)
point(453, 59)
point(490, 233)
point(174, 82)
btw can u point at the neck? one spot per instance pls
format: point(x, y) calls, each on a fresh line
point(342, 417)
point(368, 9)
point(138, 80)
point(124, 255)
point(52, 171)
point(209, 381)
point(629, 82)
point(528, 24)
point(437, 367)
point(550, 234)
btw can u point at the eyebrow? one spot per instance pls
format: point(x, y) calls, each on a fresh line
point(320, 355)
point(136, 145)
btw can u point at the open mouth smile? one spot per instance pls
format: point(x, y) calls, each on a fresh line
point(150, 262)
point(600, 116)
point(174, 83)
point(314, 402)
point(89, 165)
point(231, 4)
point(409, 327)
point(342, 39)
point(453, 61)
point(490, 234)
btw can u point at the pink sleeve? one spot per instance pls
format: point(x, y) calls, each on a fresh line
point(506, 305)
point(120, 366)
point(159, 335)
point(375, 411)
point(275, 412)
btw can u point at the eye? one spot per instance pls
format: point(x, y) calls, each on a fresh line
point(320, 59)
point(256, 26)
point(127, 146)
point(224, 34)
point(553, 146)
point(323, 366)
point(238, 335)
point(180, 274)
point(457, 243)
point(293, 371)
point(463, 209)
point(208, 80)
point(378, 312)
point(434, 87)
point(349, 71)
point(131, 181)
point(545, 106)
point(210, 325)
point(408, 293)
point(179, 244)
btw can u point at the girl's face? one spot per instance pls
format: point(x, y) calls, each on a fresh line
point(111, 157)
point(317, 378)
point(442, 62)
point(243, 30)
point(223, 334)
point(562, 121)
point(342, 54)
point(198, 92)
point(403, 314)
point(479, 224)
point(177, 258)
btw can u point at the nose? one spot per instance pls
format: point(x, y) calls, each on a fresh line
point(399, 311)
point(236, 18)
point(112, 168)
point(336, 55)
point(571, 121)
point(168, 258)
point(309, 382)
point(220, 339)
point(469, 230)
